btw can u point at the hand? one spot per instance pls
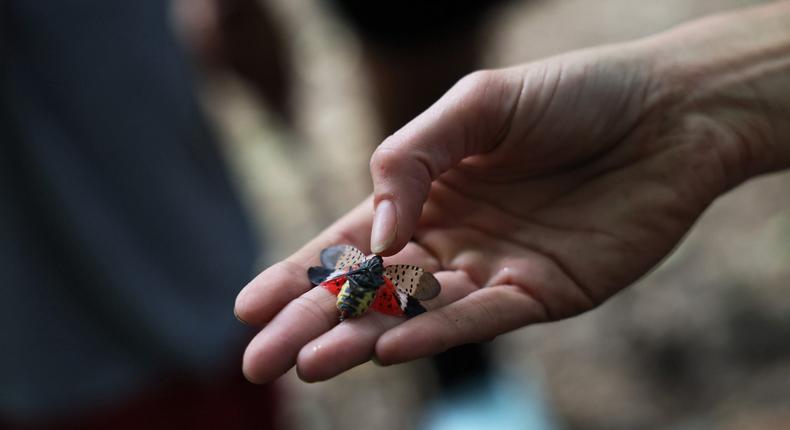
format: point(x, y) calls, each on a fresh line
point(534, 193)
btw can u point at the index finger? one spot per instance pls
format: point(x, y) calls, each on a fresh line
point(479, 316)
point(275, 287)
point(471, 118)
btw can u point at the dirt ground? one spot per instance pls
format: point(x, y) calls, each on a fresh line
point(700, 343)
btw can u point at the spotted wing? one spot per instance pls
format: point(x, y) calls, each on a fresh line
point(413, 281)
point(341, 257)
point(388, 300)
point(334, 285)
point(335, 260)
point(391, 301)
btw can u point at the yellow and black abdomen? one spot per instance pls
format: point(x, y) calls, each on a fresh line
point(353, 299)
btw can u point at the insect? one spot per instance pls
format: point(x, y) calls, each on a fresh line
point(362, 282)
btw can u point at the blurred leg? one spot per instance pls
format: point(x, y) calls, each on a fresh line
point(415, 51)
point(405, 83)
point(241, 36)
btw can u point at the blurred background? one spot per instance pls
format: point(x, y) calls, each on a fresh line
point(700, 343)
point(299, 92)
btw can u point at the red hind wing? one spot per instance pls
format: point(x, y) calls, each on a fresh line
point(335, 284)
point(386, 300)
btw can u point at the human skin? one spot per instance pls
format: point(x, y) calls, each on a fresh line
point(538, 191)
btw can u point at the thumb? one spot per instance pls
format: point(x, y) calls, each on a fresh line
point(471, 118)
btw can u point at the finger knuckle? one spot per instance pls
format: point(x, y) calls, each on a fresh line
point(315, 311)
point(475, 83)
point(386, 157)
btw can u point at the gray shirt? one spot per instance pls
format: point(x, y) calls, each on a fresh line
point(122, 244)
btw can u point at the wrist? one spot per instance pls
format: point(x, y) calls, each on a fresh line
point(728, 78)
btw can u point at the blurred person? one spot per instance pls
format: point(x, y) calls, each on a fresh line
point(538, 191)
point(123, 240)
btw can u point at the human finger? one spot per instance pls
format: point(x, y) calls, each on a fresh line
point(481, 315)
point(261, 299)
point(468, 120)
point(274, 349)
point(353, 342)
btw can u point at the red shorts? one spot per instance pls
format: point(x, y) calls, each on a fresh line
point(229, 402)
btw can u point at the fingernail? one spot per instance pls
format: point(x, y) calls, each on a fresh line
point(385, 226)
point(239, 303)
point(236, 314)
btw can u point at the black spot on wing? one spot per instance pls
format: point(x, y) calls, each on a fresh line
point(412, 281)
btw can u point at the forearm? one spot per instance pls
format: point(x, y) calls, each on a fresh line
point(733, 70)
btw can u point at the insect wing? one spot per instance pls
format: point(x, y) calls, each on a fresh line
point(318, 274)
point(335, 261)
point(341, 257)
point(388, 300)
point(413, 281)
point(335, 284)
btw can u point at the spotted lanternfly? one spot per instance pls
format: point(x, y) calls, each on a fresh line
point(362, 282)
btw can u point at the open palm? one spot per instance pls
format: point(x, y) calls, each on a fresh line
point(534, 193)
